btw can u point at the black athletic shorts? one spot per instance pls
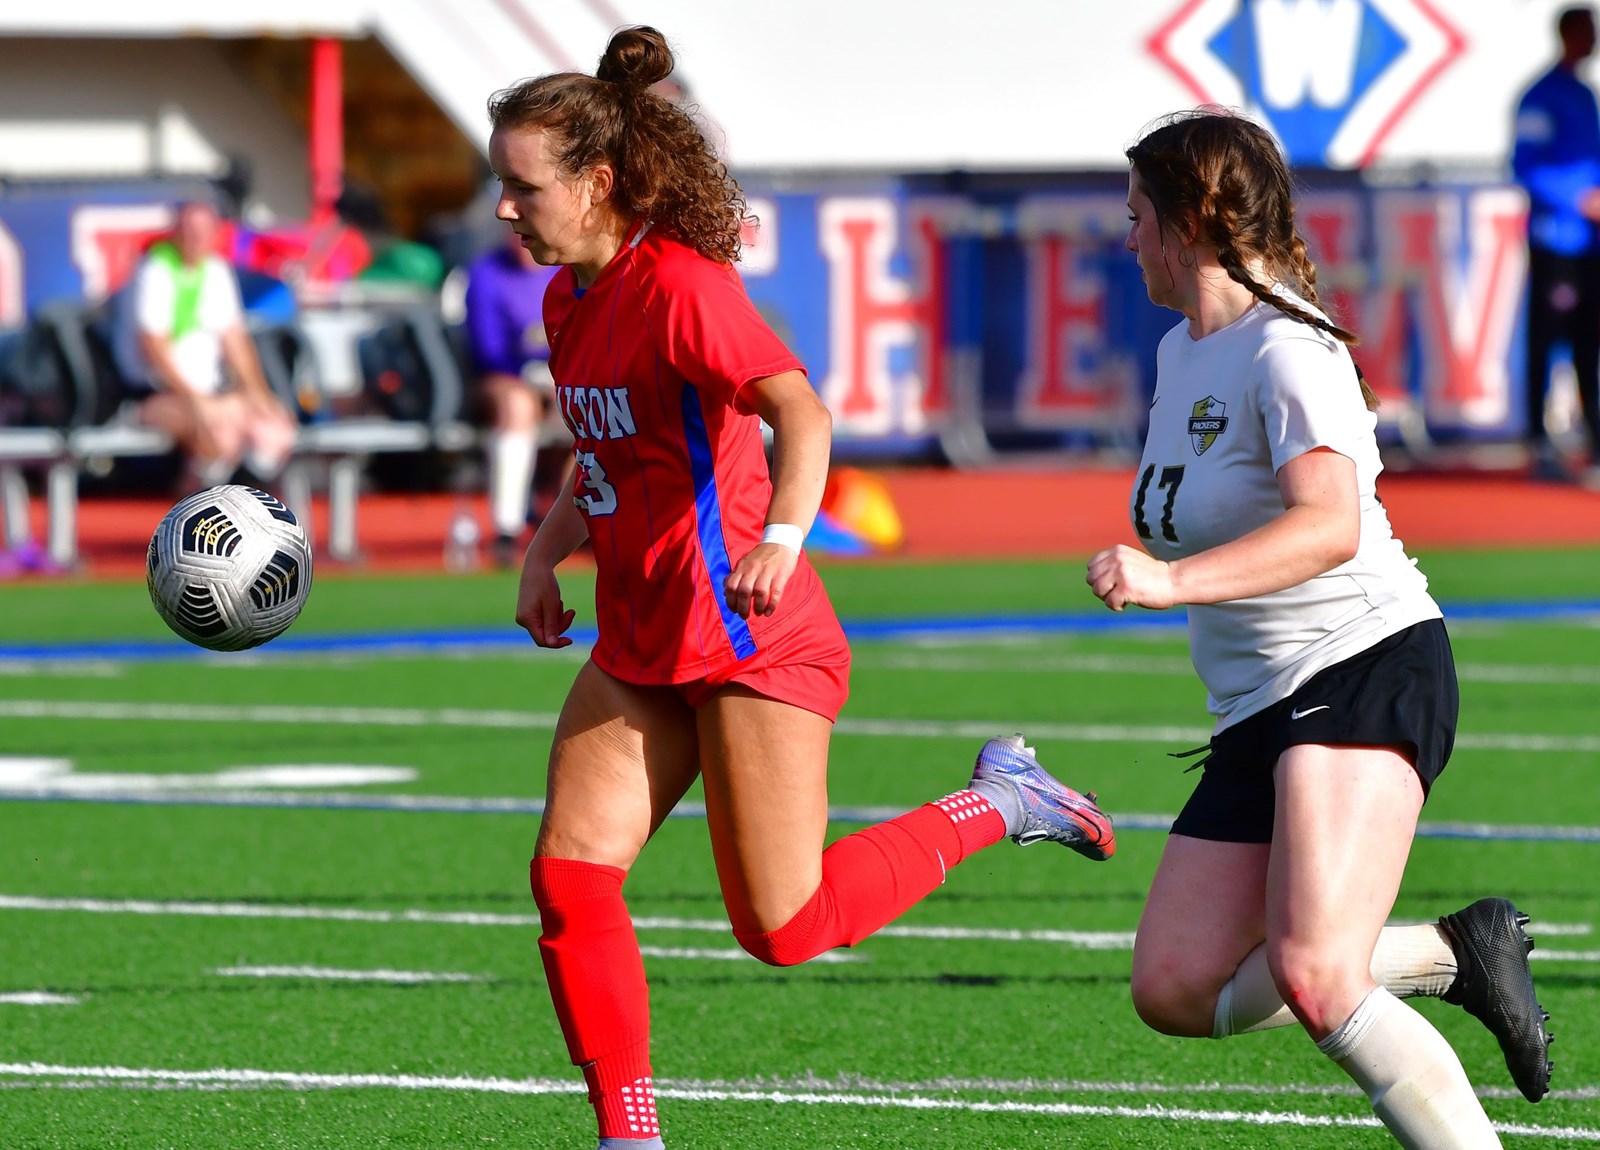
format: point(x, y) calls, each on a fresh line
point(1400, 693)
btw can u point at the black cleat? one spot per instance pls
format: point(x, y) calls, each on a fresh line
point(1494, 985)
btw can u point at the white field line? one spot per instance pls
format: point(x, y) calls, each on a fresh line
point(334, 974)
point(1087, 940)
point(37, 998)
point(22, 772)
point(693, 1092)
point(51, 791)
point(1074, 939)
point(60, 668)
point(860, 1083)
point(544, 721)
point(1178, 665)
point(953, 1084)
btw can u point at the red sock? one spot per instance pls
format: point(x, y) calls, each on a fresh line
point(873, 876)
point(591, 959)
point(624, 1106)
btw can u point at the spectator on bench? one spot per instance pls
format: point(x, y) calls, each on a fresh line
point(189, 363)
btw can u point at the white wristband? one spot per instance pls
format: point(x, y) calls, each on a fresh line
point(784, 535)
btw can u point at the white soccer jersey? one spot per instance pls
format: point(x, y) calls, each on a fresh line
point(1229, 410)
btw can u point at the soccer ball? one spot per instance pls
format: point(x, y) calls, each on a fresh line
point(229, 568)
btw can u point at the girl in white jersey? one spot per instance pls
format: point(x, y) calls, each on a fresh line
point(1325, 660)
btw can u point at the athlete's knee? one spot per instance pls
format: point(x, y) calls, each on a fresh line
point(583, 825)
point(799, 940)
point(772, 948)
point(1152, 1005)
point(562, 882)
point(1167, 998)
point(1316, 983)
point(1172, 1010)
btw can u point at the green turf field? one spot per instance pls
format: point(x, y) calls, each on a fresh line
point(204, 943)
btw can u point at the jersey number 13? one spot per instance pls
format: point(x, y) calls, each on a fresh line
point(601, 497)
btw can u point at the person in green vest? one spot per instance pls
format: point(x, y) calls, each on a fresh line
point(189, 363)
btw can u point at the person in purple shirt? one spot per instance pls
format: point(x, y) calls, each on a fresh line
point(506, 339)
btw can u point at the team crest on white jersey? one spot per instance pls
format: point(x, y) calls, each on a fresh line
point(1208, 420)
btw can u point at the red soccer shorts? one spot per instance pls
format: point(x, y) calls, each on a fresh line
point(807, 667)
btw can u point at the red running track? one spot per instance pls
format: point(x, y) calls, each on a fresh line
point(1045, 512)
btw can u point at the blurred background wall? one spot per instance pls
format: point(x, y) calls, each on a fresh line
point(938, 185)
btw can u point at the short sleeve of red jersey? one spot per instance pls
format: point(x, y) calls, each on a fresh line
point(705, 325)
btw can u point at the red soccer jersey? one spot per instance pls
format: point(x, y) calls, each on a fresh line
point(672, 474)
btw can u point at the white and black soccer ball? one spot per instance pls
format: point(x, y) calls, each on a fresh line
point(229, 567)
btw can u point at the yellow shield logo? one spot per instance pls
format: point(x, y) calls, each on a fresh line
point(1208, 420)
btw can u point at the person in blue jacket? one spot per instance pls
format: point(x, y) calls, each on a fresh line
point(1556, 159)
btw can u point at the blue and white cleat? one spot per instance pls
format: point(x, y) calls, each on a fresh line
point(1051, 811)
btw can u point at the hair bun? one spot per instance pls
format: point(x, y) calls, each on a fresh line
point(636, 58)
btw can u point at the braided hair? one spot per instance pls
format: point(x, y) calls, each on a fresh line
point(1225, 179)
point(666, 171)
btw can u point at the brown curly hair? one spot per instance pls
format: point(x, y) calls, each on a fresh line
point(1224, 177)
point(666, 171)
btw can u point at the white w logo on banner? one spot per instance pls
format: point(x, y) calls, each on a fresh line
point(1332, 77)
point(1307, 48)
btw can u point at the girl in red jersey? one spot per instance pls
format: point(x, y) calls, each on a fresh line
point(719, 655)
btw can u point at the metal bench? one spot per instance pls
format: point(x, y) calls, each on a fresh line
point(20, 447)
point(346, 445)
point(64, 455)
point(88, 447)
point(342, 445)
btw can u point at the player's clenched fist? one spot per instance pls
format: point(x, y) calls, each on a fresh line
point(1125, 576)
point(757, 583)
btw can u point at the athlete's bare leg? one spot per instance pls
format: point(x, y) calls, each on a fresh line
point(1205, 912)
point(1344, 823)
point(1343, 827)
point(766, 781)
point(623, 757)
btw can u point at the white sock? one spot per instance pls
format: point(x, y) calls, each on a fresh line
point(1003, 798)
point(1409, 962)
point(1414, 961)
point(1412, 1076)
point(1250, 1001)
point(510, 479)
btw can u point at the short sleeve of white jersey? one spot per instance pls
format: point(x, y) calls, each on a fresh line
point(1310, 397)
